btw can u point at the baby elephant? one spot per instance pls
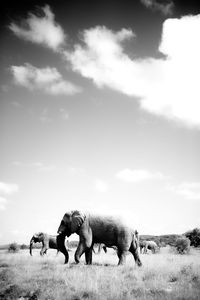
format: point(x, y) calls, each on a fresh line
point(50, 241)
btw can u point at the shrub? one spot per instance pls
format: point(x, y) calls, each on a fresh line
point(182, 245)
point(23, 246)
point(13, 247)
point(194, 237)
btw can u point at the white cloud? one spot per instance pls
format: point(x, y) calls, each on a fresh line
point(35, 165)
point(189, 190)
point(76, 171)
point(102, 59)
point(138, 175)
point(101, 186)
point(40, 29)
point(168, 86)
point(166, 7)
point(48, 80)
point(8, 188)
point(3, 203)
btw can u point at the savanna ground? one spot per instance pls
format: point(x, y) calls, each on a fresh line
point(164, 275)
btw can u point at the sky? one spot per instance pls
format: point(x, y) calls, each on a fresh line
point(100, 112)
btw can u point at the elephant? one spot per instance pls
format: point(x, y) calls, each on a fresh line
point(49, 241)
point(100, 229)
point(148, 245)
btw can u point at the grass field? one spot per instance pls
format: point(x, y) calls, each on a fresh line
point(165, 275)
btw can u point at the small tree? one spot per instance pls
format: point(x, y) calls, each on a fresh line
point(23, 246)
point(182, 245)
point(194, 237)
point(13, 247)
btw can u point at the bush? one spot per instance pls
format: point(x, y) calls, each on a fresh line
point(23, 246)
point(194, 237)
point(182, 245)
point(13, 247)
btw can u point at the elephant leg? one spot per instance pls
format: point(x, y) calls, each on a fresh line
point(105, 249)
point(65, 253)
point(43, 251)
point(122, 256)
point(88, 256)
point(136, 256)
point(79, 251)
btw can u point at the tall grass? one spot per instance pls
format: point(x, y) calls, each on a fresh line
point(165, 275)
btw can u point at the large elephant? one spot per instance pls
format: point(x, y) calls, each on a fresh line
point(50, 241)
point(100, 229)
point(148, 245)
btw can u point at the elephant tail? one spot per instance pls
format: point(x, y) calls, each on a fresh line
point(136, 239)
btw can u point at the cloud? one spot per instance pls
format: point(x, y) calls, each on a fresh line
point(35, 165)
point(8, 188)
point(40, 29)
point(102, 59)
point(168, 87)
point(138, 175)
point(48, 80)
point(189, 190)
point(101, 186)
point(76, 171)
point(3, 203)
point(166, 7)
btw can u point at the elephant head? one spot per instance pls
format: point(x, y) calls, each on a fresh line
point(36, 238)
point(71, 222)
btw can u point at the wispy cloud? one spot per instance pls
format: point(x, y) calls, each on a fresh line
point(41, 29)
point(6, 189)
point(76, 171)
point(48, 80)
point(165, 7)
point(168, 86)
point(189, 190)
point(39, 166)
point(137, 176)
point(3, 203)
point(101, 186)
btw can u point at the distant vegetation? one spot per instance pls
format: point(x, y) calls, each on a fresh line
point(194, 237)
point(13, 247)
point(182, 245)
point(161, 240)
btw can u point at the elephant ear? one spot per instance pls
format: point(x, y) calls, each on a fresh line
point(78, 219)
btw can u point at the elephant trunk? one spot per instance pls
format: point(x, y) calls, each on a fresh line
point(60, 239)
point(30, 247)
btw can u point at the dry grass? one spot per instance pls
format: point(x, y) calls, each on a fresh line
point(163, 276)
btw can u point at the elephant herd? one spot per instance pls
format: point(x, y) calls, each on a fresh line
point(94, 229)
